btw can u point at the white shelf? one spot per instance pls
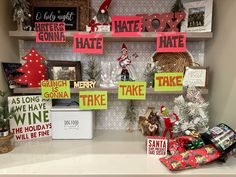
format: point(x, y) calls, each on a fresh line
point(145, 36)
point(109, 90)
point(110, 153)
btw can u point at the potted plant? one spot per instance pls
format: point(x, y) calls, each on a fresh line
point(5, 115)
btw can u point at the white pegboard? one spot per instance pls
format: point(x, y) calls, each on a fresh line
point(113, 117)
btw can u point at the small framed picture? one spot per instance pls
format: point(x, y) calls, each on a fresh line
point(64, 70)
point(198, 16)
point(196, 76)
point(11, 73)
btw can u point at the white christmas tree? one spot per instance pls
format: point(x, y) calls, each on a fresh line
point(192, 112)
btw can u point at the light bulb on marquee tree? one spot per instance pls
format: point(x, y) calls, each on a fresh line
point(34, 70)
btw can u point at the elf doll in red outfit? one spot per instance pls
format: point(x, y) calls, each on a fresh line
point(126, 70)
point(102, 17)
point(167, 121)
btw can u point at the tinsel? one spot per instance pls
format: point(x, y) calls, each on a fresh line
point(192, 112)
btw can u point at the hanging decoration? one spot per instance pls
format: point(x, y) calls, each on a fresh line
point(34, 70)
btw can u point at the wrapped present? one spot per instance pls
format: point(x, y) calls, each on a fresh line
point(223, 138)
point(191, 158)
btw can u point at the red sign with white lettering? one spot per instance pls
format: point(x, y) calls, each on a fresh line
point(171, 42)
point(126, 25)
point(50, 31)
point(88, 43)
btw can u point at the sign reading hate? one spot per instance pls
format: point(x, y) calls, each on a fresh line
point(32, 119)
point(88, 43)
point(89, 100)
point(168, 82)
point(171, 42)
point(126, 26)
point(132, 90)
point(55, 89)
point(157, 146)
point(50, 31)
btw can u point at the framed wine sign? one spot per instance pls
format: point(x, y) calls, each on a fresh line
point(75, 13)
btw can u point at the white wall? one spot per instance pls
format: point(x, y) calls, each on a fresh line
point(8, 46)
point(221, 57)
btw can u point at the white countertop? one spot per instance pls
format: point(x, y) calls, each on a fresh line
point(110, 153)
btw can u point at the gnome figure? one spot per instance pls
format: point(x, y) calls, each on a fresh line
point(102, 17)
point(126, 70)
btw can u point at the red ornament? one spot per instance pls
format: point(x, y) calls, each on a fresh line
point(34, 70)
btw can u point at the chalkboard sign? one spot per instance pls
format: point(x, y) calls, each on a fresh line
point(57, 14)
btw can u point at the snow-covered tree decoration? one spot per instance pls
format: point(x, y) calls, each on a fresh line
point(192, 111)
point(131, 115)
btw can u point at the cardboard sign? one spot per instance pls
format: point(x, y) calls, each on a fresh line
point(126, 25)
point(55, 89)
point(32, 119)
point(157, 146)
point(132, 90)
point(50, 32)
point(85, 84)
point(168, 82)
point(88, 43)
point(89, 100)
point(171, 42)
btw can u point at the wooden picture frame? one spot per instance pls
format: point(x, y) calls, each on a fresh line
point(198, 16)
point(64, 70)
point(82, 6)
point(199, 76)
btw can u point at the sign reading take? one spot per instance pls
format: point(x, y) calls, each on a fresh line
point(55, 89)
point(88, 43)
point(168, 82)
point(126, 26)
point(50, 31)
point(132, 90)
point(171, 42)
point(89, 100)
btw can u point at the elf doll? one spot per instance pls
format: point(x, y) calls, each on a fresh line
point(102, 17)
point(167, 121)
point(126, 70)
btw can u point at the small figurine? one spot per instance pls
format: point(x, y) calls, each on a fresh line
point(126, 70)
point(149, 123)
point(101, 19)
point(167, 121)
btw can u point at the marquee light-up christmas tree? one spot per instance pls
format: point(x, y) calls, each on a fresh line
point(34, 70)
